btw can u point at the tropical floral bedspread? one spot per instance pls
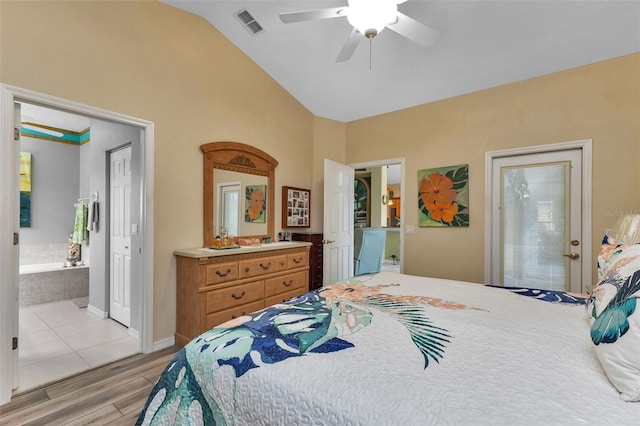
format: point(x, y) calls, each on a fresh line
point(392, 349)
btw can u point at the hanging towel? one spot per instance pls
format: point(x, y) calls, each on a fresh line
point(94, 216)
point(90, 216)
point(80, 225)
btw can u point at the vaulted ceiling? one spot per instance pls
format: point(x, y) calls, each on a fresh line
point(482, 44)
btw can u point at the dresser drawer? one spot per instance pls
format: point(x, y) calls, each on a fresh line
point(283, 297)
point(285, 283)
point(261, 266)
point(218, 318)
point(297, 260)
point(225, 298)
point(221, 272)
point(281, 263)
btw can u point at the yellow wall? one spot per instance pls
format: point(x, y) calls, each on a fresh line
point(329, 139)
point(599, 102)
point(392, 245)
point(151, 61)
point(154, 62)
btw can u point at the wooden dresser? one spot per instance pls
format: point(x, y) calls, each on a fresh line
point(215, 286)
point(315, 257)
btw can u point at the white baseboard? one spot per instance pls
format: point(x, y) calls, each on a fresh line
point(100, 313)
point(163, 344)
point(134, 333)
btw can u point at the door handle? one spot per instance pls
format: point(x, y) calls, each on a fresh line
point(327, 241)
point(572, 256)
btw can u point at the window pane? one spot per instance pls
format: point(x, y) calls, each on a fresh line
point(534, 215)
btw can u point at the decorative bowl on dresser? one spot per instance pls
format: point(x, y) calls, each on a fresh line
point(215, 286)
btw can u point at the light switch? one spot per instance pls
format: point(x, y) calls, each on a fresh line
point(411, 229)
point(134, 229)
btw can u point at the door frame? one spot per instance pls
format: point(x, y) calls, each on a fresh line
point(9, 261)
point(585, 145)
point(388, 162)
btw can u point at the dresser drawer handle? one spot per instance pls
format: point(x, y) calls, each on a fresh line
point(247, 269)
point(282, 263)
point(238, 297)
point(298, 260)
point(287, 284)
point(223, 274)
point(234, 316)
point(267, 266)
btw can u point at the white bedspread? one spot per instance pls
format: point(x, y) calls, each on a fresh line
point(507, 359)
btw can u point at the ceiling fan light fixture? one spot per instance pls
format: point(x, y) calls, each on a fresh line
point(371, 16)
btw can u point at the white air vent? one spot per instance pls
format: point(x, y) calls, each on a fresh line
point(249, 22)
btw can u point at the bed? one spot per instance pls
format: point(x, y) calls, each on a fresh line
point(395, 349)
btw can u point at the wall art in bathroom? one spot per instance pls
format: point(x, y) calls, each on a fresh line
point(25, 190)
point(255, 203)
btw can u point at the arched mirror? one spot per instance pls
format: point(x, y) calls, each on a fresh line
point(239, 187)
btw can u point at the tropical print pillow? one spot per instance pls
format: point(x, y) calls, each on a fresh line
point(615, 330)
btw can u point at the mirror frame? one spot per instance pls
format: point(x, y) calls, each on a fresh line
point(242, 158)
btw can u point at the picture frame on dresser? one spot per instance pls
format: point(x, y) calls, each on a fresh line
point(296, 207)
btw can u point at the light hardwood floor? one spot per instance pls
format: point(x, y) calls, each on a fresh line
point(112, 394)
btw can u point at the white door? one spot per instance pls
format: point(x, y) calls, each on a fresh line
point(537, 221)
point(337, 255)
point(228, 212)
point(9, 252)
point(120, 236)
point(9, 227)
point(16, 251)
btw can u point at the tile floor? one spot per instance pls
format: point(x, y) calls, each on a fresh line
point(389, 266)
point(58, 339)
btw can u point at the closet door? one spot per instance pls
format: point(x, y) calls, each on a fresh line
point(120, 236)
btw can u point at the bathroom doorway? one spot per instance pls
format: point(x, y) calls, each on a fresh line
point(71, 321)
point(63, 329)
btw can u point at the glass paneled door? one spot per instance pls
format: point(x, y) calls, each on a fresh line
point(536, 241)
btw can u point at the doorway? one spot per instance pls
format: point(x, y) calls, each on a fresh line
point(539, 230)
point(10, 224)
point(340, 217)
point(377, 201)
point(60, 226)
point(229, 208)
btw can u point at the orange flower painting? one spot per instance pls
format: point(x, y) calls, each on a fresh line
point(255, 210)
point(443, 196)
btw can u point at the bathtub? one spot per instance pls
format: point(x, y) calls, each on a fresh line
point(49, 282)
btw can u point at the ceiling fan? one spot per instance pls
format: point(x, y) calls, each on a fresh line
point(368, 18)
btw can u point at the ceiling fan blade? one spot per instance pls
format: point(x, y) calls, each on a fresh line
point(311, 15)
point(349, 47)
point(414, 30)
